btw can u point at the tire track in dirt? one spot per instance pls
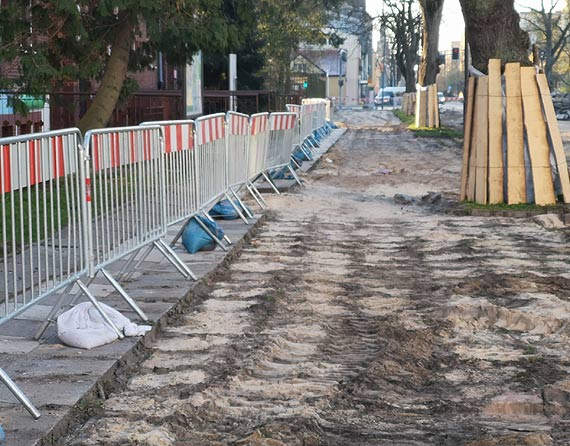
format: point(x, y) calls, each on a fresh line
point(350, 320)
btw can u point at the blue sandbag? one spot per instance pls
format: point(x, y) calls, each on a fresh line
point(195, 239)
point(300, 155)
point(2, 437)
point(225, 210)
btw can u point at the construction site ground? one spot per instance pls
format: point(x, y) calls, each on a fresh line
point(366, 309)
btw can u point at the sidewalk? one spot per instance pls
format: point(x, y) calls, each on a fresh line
point(60, 380)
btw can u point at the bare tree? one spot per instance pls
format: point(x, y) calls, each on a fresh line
point(552, 29)
point(432, 11)
point(403, 19)
point(493, 31)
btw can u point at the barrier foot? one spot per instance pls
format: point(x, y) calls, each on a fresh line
point(128, 299)
point(173, 258)
point(20, 396)
point(260, 201)
point(241, 203)
point(210, 233)
point(236, 208)
point(297, 179)
point(271, 183)
point(98, 307)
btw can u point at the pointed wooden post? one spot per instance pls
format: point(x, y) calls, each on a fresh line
point(538, 146)
point(496, 174)
point(516, 171)
point(482, 117)
point(555, 138)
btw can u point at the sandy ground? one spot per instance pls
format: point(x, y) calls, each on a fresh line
point(355, 317)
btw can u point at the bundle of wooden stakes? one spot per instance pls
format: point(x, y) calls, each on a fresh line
point(409, 103)
point(427, 106)
point(510, 136)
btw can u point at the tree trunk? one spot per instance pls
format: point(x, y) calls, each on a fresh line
point(431, 17)
point(493, 32)
point(101, 109)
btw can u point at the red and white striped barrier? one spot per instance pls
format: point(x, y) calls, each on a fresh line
point(211, 158)
point(42, 232)
point(281, 140)
point(180, 169)
point(126, 205)
point(238, 148)
point(259, 142)
point(210, 128)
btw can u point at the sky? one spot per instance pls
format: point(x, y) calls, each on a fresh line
point(452, 25)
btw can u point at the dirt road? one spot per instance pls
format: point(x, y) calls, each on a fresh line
point(354, 318)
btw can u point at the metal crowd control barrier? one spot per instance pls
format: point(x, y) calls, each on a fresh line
point(211, 165)
point(282, 128)
point(124, 208)
point(238, 158)
point(42, 224)
point(298, 138)
point(180, 169)
point(258, 142)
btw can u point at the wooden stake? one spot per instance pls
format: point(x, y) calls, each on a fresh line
point(436, 107)
point(467, 137)
point(516, 173)
point(430, 111)
point(496, 174)
point(473, 147)
point(482, 135)
point(538, 147)
point(558, 148)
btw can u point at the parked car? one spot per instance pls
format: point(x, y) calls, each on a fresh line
point(386, 96)
point(440, 97)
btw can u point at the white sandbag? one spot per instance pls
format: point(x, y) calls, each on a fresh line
point(83, 327)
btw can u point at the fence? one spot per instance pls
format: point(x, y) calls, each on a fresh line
point(70, 207)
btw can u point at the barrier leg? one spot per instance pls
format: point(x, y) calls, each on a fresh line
point(12, 387)
point(241, 203)
point(129, 275)
point(306, 152)
point(51, 317)
point(236, 208)
point(210, 233)
point(99, 309)
point(294, 161)
point(128, 299)
point(209, 217)
point(273, 186)
point(297, 179)
point(123, 275)
point(173, 258)
point(256, 195)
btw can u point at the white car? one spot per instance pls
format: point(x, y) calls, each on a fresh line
point(440, 97)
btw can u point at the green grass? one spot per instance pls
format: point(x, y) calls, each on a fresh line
point(441, 132)
point(32, 209)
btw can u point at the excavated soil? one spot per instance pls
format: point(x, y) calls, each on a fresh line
point(356, 318)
